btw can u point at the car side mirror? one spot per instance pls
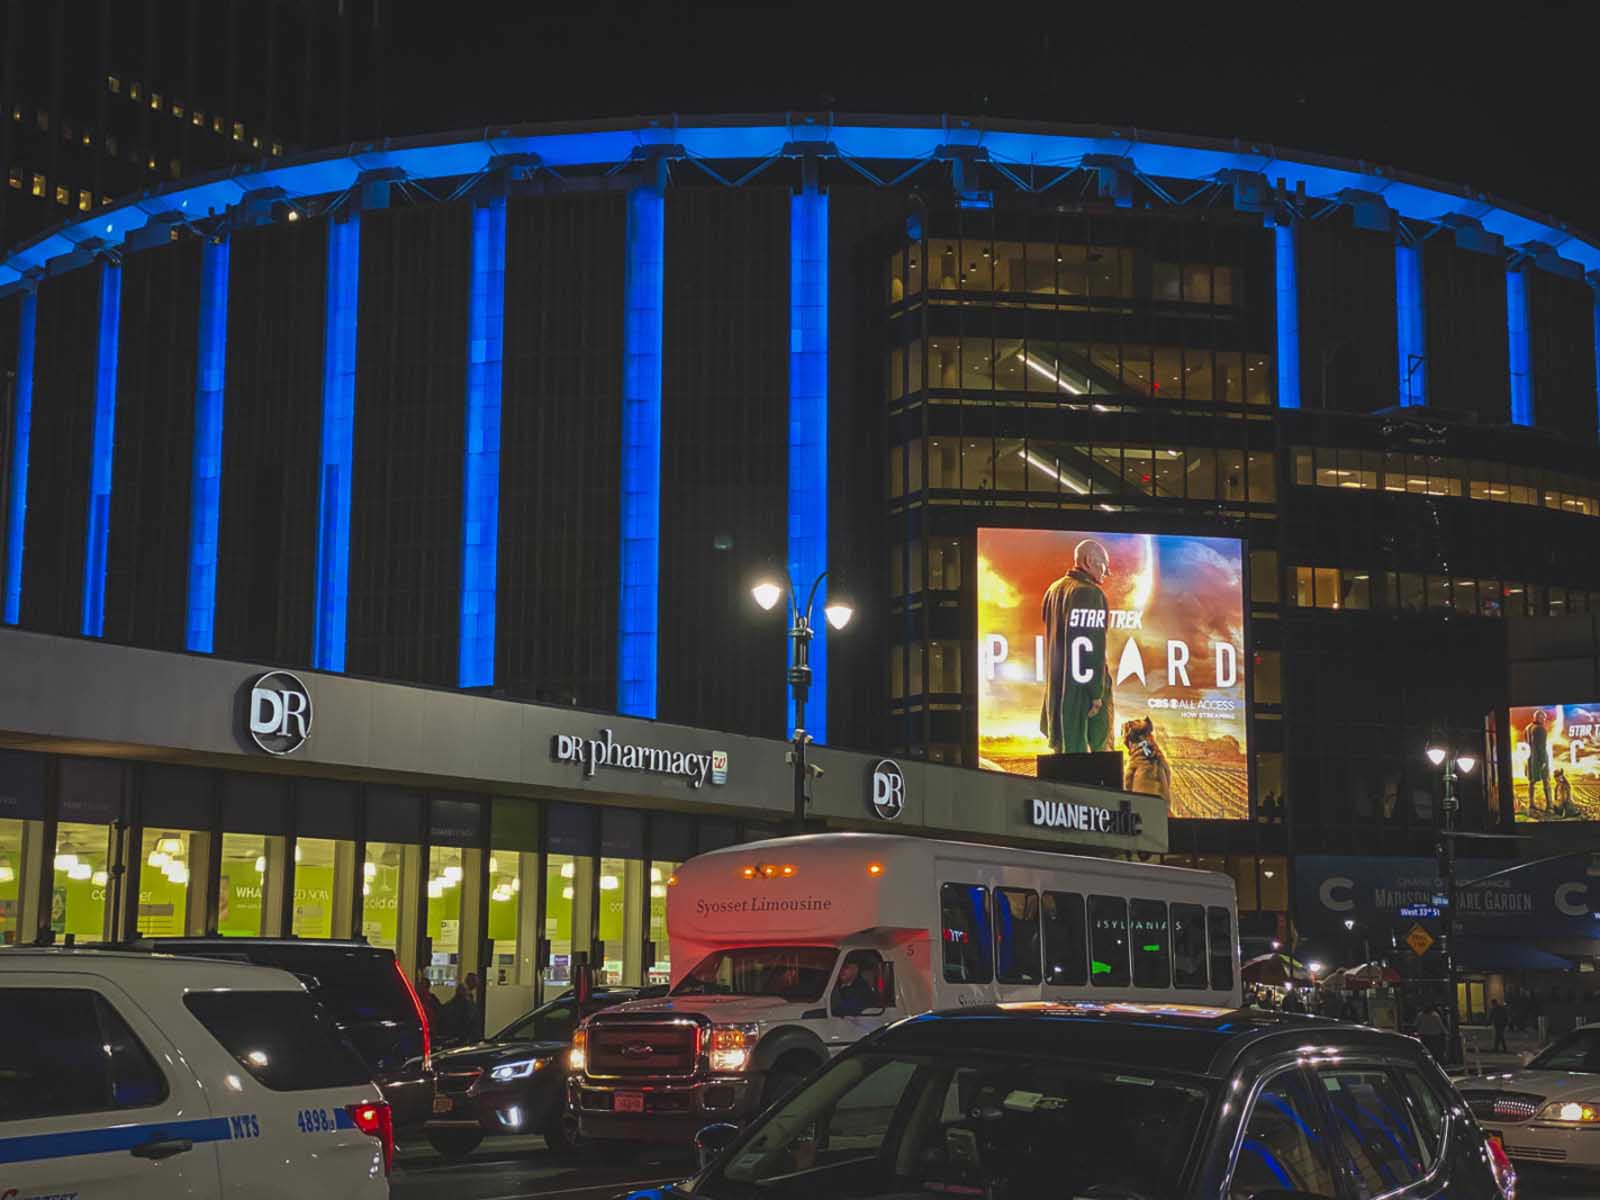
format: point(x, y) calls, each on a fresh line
point(712, 1140)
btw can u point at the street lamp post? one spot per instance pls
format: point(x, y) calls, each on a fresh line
point(1440, 755)
point(767, 593)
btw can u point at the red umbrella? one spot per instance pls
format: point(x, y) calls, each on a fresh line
point(1372, 974)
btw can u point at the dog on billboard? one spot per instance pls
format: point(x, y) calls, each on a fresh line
point(1148, 770)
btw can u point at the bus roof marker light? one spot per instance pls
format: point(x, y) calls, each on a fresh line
point(874, 868)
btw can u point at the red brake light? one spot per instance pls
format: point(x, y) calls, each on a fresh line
point(422, 1016)
point(375, 1120)
point(1505, 1175)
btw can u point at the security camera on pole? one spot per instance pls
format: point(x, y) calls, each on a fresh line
point(838, 612)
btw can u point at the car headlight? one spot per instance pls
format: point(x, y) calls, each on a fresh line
point(1576, 1112)
point(578, 1056)
point(732, 1045)
point(520, 1069)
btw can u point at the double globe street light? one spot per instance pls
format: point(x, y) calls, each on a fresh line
point(1454, 764)
point(768, 592)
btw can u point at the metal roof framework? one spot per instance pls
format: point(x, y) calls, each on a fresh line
point(883, 150)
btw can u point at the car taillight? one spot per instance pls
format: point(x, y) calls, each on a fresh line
point(1505, 1175)
point(422, 1016)
point(375, 1120)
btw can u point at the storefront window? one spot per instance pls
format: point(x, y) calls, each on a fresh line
point(621, 911)
point(560, 905)
point(322, 888)
point(168, 863)
point(80, 884)
point(250, 893)
point(383, 892)
point(662, 876)
point(509, 975)
point(11, 872)
point(444, 915)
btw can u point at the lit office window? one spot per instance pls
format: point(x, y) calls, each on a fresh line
point(277, 149)
point(155, 101)
point(255, 143)
point(85, 201)
point(133, 91)
point(177, 109)
point(114, 85)
point(198, 118)
point(15, 178)
point(42, 118)
point(238, 131)
point(63, 195)
point(216, 124)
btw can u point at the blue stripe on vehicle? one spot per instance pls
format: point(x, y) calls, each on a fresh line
point(343, 1120)
point(39, 1146)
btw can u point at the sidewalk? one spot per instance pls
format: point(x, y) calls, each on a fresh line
point(1480, 1059)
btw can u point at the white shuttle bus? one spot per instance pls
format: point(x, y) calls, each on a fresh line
point(786, 951)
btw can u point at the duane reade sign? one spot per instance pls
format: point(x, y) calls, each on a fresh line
point(1084, 818)
point(280, 713)
point(605, 751)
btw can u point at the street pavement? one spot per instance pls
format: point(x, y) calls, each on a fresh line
point(514, 1168)
point(520, 1169)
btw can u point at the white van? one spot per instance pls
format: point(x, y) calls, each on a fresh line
point(786, 951)
point(137, 1075)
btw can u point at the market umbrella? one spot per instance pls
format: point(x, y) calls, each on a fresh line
point(1339, 980)
point(1372, 974)
point(1274, 969)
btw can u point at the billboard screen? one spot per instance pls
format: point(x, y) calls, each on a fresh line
point(1555, 762)
point(1134, 642)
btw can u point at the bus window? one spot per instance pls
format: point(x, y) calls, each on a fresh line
point(1220, 926)
point(1188, 946)
point(1108, 941)
point(1065, 963)
point(967, 949)
point(1016, 935)
point(1152, 956)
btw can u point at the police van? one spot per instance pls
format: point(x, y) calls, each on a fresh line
point(138, 1075)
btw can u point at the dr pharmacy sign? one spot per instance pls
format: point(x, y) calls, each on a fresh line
point(280, 713)
point(606, 751)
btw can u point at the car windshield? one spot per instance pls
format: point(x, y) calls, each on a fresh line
point(797, 973)
point(904, 1124)
point(552, 1022)
point(1578, 1051)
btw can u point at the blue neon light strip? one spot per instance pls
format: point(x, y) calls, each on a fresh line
point(1029, 150)
point(1288, 286)
point(638, 612)
point(1596, 311)
point(21, 438)
point(1517, 345)
point(808, 431)
point(101, 453)
point(338, 443)
point(205, 487)
point(1410, 332)
point(480, 534)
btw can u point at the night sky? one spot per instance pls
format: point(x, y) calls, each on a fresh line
point(1499, 97)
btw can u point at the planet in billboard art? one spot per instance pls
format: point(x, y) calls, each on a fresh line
point(1091, 641)
point(1555, 762)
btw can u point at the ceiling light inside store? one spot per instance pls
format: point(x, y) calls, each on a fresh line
point(80, 871)
point(170, 845)
point(369, 869)
point(566, 893)
point(99, 879)
point(435, 889)
point(453, 874)
point(568, 870)
point(65, 862)
point(608, 883)
point(261, 864)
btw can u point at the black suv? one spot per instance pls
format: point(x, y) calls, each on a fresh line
point(515, 1081)
point(362, 989)
point(1118, 1101)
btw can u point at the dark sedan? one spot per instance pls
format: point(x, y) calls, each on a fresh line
point(514, 1081)
point(1117, 1101)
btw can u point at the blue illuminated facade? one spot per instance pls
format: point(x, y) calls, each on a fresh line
point(480, 542)
point(1410, 335)
point(102, 452)
point(22, 425)
point(1517, 347)
point(338, 444)
point(808, 431)
point(205, 484)
point(639, 608)
point(1287, 291)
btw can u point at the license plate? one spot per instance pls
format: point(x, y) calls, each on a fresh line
point(443, 1104)
point(631, 1102)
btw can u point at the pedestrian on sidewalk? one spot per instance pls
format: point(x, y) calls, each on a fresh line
point(1430, 1028)
point(1498, 1018)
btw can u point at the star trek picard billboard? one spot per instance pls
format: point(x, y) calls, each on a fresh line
point(1555, 762)
point(1091, 641)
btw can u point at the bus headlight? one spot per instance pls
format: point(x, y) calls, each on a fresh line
point(732, 1045)
point(578, 1056)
